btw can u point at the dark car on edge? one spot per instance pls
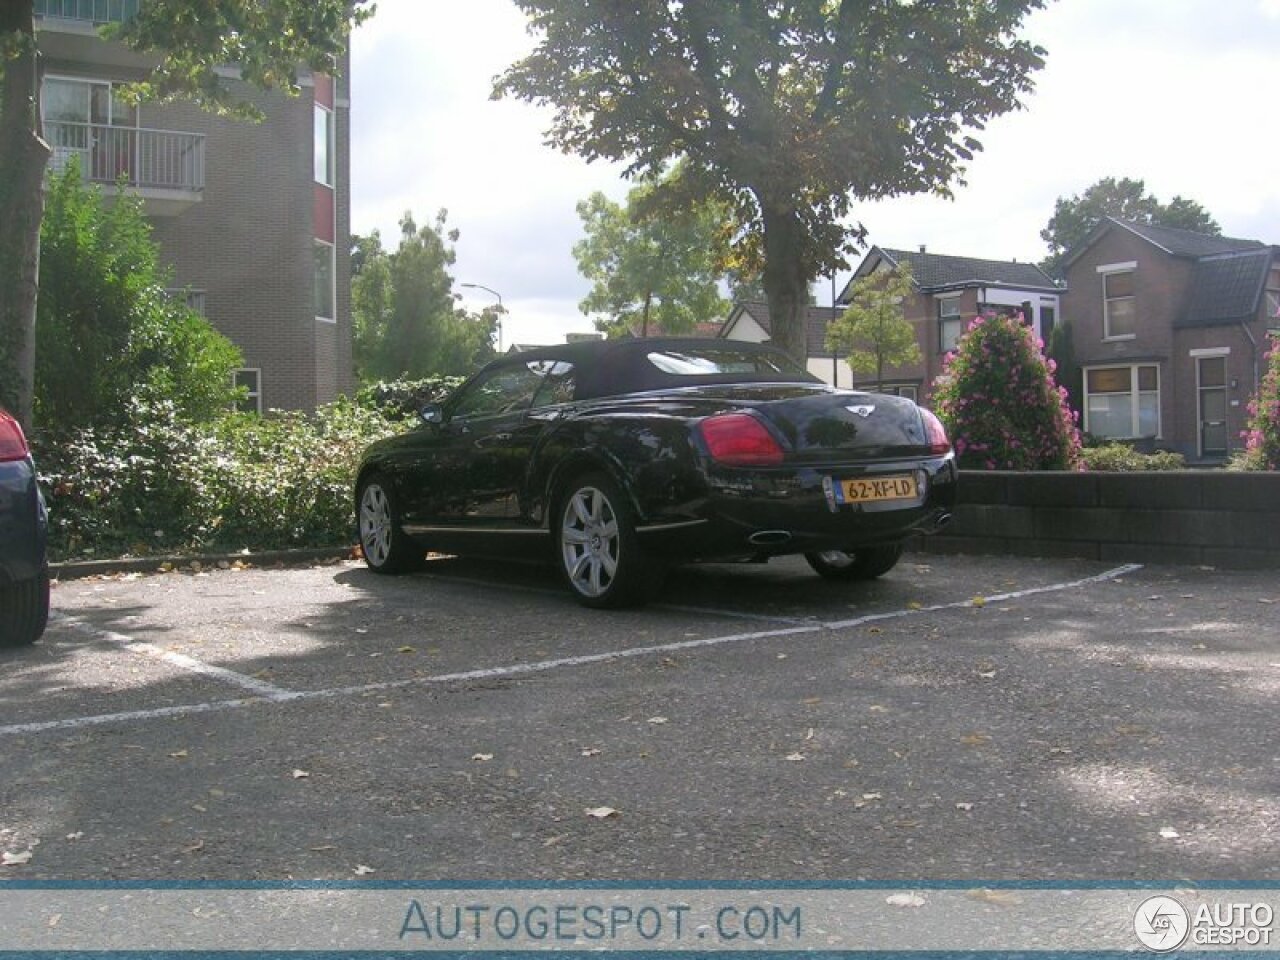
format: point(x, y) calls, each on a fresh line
point(24, 570)
point(618, 458)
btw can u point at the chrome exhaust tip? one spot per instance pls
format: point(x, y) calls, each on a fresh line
point(769, 538)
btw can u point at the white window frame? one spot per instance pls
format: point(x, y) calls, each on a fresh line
point(333, 280)
point(329, 175)
point(1135, 415)
point(253, 395)
point(948, 301)
point(1106, 270)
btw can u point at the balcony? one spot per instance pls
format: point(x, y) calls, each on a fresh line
point(164, 167)
point(96, 12)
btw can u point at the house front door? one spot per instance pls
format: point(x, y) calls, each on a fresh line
point(1211, 375)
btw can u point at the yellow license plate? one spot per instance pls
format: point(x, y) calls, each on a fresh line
point(872, 489)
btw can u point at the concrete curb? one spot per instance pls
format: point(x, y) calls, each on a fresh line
point(75, 569)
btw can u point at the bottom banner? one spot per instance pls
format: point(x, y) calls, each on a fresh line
point(292, 919)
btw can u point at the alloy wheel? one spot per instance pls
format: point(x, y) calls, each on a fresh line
point(590, 541)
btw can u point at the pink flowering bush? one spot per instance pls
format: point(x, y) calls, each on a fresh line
point(1262, 439)
point(1000, 404)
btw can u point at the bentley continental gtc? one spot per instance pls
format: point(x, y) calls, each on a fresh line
point(617, 459)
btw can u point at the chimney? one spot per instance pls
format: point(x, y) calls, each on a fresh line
point(923, 249)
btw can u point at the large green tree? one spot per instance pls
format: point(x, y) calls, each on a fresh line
point(652, 267)
point(1125, 199)
point(110, 332)
point(190, 40)
point(874, 331)
point(405, 313)
point(785, 109)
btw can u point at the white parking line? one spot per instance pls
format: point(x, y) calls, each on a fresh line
point(267, 693)
point(182, 661)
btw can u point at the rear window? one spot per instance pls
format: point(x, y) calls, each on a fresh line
point(722, 360)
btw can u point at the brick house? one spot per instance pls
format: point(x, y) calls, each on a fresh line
point(949, 292)
point(253, 218)
point(1170, 328)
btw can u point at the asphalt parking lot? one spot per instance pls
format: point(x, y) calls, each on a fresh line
point(963, 718)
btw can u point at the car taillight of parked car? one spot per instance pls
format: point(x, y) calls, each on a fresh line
point(740, 440)
point(13, 445)
point(936, 432)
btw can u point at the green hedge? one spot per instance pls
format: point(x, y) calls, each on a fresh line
point(1118, 458)
point(159, 483)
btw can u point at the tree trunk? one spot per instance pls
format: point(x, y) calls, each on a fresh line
point(644, 317)
point(785, 283)
point(23, 156)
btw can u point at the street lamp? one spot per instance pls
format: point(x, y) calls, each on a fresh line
point(501, 308)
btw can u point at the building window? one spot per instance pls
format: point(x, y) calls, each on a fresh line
point(1122, 402)
point(251, 381)
point(1118, 305)
point(191, 299)
point(323, 145)
point(1273, 304)
point(909, 390)
point(1048, 320)
point(948, 324)
point(324, 280)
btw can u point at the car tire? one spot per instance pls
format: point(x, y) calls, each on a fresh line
point(597, 549)
point(24, 611)
point(384, 544)
point(863, 564)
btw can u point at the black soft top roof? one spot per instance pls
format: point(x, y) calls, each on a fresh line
point(607, 368)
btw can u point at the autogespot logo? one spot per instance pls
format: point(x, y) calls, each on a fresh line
point(1161, 923)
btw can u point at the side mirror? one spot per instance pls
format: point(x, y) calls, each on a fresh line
point(432, 413)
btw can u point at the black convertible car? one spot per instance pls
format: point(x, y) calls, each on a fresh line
point(618, 458)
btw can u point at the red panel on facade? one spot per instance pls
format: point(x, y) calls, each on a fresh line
point(324, 89)
point(323, 212)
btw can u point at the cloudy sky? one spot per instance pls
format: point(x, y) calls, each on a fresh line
point(1176, 92)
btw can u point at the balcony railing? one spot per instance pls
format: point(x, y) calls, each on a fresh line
point(90, 11)
point(148, 159)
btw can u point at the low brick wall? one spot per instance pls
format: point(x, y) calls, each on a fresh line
point(1215, 518)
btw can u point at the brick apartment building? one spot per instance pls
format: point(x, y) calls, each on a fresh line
point(949, 291)
point(253, 218)
point(1171, 328)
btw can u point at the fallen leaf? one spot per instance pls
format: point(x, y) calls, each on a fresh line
point(601, 813)
point(979, 601)
point(362, 629)
point(406, 649)
point(1001, 897)
point(872, 796)
point(912, 900)
point(199, 809)
point(362, 871)
point(966, 807)
point(874, 630)
point(322, 849)
point(809, 735)
point(591, 751)
point(658, 720)
point(55, 919)
point(1169, 833)
point(481, 757)
point(179, 755)
point(877, 708)
point(810, 701)
point(300, 774)
point(795, 756)
point(782, 656)
point(8, 859)
point(75, 836)
point(552, 841)
point(987, 674)
point(195, 847)
point(975, 739)
point(914, 605)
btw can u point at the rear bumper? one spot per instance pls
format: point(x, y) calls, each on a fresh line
point(766, 513)
point(23, 523)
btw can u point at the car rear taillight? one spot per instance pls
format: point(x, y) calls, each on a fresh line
point(936, 433)
point(740, 440)
point(13, 445)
